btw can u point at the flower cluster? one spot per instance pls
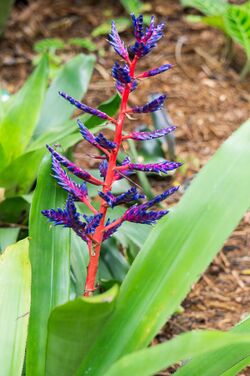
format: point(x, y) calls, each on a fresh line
point(97, 227)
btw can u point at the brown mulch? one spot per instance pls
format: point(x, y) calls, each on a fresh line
point(206, 101)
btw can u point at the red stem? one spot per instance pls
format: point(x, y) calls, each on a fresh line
point(95, 248)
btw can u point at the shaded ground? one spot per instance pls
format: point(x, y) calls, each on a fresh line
point(205, 101)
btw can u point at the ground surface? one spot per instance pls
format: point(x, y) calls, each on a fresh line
point(205, 100)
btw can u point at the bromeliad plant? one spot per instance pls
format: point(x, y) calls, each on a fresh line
point(98, 227)
point(65, 335)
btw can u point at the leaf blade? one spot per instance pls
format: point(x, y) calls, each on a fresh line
point(15, 303)
point(19, 122)
point(73, 79)
point(73, 327)
point(49, 256)
point(154, 359)
point(160, 278)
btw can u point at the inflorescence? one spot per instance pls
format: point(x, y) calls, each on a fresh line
point(96, 228)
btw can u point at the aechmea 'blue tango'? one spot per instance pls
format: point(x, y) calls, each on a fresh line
point(96, 228)
point(143, 136)
point(163, 167)
point(155, 105)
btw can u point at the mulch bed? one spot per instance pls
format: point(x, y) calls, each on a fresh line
point(206, 102)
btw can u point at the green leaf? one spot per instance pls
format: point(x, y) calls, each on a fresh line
point(132, 6)
point(49, 256)
point(8, 236)
point(220, 361)
point(150, 361)
point(14, 210)
point(20, 174)
point(208, 7)
point(20, 120)
point(176, 252)
point(214, 21)
point(73, 79)
point(237, 23)
point(15, 304)
point(48, 44)
point(73, 327)
point(114, 261)
point(78, 261)
point(69, 133)
point(122, 24)
point(84, 43)
point(238, 367)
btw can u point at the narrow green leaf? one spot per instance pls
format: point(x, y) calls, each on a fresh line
point(19, 122)
point(73, 79)
point(176, 252)
point(154, 359)
point(15, 305)
point(220, 361)
point(8, 236)
point(234, 371)
point(49, 255)
point(73, 327)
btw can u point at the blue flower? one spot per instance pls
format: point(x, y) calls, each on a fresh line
point(115, 41)
point(145, 40)
point(154, 105)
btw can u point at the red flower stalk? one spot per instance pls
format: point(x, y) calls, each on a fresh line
point(97, 228)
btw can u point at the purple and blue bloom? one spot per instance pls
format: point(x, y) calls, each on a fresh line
point(96, 228)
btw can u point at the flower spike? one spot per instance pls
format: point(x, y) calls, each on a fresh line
point(145, 41)
point(83, 107)
point(152, 106)
point(99, 142)
point(144, 136)
point(115, 41)
point(94, 229)
point(104, 142)
point(139, 213)
point(159, 167)
point(68, 218)
point(77, 171)
point(131, 195)
point(155, 71)
point(79, 192)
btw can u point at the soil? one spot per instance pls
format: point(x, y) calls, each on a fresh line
point(206, 102)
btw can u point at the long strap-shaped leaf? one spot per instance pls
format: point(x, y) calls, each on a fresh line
point(220, 361)
point(73, 328)
point(15, 305)
point(74, 79)
point(49, 256)
point(150, 361)
point(20, 120)
point(177, 251)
